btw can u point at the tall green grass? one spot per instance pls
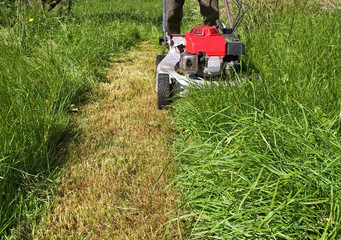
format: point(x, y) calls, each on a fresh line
point(45, 66)
point(262, 160)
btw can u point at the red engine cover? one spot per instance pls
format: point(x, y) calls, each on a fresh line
point(207, 39)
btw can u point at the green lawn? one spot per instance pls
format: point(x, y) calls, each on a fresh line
point(257, 161)
point(262, 160)
point(47, 61)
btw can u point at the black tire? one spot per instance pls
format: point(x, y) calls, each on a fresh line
point(163, 91)
point(159, 58)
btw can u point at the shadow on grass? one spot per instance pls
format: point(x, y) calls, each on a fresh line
point(38, 190)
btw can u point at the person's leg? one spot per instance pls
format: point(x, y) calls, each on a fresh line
point(209, 9)
point(174, 16)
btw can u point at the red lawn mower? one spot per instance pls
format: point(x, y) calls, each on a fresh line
point(202, 56)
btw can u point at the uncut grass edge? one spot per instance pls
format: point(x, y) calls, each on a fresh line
point(253, 151)
point(72, 59)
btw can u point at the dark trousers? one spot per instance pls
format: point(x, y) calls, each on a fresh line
point(208, 9)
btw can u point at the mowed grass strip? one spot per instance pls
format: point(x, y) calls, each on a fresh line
point(107, 191)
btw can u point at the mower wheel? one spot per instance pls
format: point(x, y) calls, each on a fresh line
point(159, 58)
point(163, 91)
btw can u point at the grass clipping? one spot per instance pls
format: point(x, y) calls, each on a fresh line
point(123, 148)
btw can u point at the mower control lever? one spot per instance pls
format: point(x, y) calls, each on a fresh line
point(223, 28)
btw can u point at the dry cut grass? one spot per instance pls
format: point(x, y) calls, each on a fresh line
point(123, 147)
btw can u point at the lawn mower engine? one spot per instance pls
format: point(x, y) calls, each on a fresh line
point(205, 55)
point(208, 53)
